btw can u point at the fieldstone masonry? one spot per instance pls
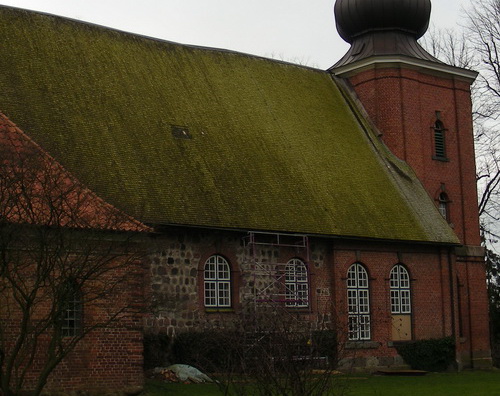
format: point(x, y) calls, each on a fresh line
point(176, 277)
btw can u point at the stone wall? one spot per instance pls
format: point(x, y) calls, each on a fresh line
point(176, 272)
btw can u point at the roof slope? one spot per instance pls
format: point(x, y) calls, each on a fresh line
point(35, 189)
point(272, 146)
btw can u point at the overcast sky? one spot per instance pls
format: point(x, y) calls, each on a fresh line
point(295, 30)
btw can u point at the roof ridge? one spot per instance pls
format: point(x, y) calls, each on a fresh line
point(160, 40)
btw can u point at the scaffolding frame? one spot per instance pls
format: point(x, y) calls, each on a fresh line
point(270, 276)
point(264, 251)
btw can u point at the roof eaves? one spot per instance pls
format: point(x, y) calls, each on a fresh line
point(160, 228)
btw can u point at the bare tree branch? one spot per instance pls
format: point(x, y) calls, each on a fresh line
point(56, 239)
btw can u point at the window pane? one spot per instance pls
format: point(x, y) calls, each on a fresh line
point(224, 294)
point(352, 298)
point(223, 271)
point(395, 276)
point(353, 327)
point(363, 301)
point(210, 272)
point(210, 294)
point(364, 327)
point(362, 277)
point(443, 209)
point(404, 279)
point(290, 294)
point(405, 301)
point(395, 306)
point(303, 294)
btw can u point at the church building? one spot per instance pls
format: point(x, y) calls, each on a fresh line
point(348, 194)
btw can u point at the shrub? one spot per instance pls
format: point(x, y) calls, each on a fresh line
point(325, 343)
point(207, 350)
point(429, 355)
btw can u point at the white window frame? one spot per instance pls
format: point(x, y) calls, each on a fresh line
point(72, 314)
point(443, 205)
point(400, 290)
point(296, 284)
point(358, 301)
point(217, 282)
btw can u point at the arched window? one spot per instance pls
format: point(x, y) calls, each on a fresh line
point(439, 140)
point(400, 290)
point(296, 284)
point(443, 205)
point(400, 303)
point(72, 310)
point(217, 277)
point(358, 299)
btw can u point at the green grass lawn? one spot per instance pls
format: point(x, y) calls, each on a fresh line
point(155, 388)
point(477, 383)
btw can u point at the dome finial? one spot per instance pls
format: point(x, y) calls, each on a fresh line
point(382, 27)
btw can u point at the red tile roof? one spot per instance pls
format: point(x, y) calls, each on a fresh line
point(36, 189)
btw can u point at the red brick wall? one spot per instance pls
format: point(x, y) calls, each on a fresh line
point(106, 358)
point(474, 343)
point(110, 358)
point(403, 103)
point(430, 290)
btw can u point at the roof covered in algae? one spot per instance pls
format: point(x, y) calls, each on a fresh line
point(179, 135)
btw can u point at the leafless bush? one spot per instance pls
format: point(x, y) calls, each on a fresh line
point(270, 350)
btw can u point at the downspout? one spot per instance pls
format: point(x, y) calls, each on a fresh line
point(453, 287)
point(469, 315)
point(441, 284)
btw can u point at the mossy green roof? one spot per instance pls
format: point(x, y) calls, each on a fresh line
point(272, 146)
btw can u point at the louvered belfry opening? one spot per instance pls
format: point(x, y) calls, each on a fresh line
point(439, 140)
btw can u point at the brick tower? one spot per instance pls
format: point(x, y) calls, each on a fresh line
point(422, 108)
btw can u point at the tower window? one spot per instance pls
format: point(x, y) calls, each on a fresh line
point(443, 205)
point(439, 141)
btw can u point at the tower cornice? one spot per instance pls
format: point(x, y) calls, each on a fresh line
point(400, 61)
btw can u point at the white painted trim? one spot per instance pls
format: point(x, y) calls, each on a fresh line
point(408, 61)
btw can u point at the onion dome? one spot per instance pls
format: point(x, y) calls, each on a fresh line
point(357, 17)
point(382, 27)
